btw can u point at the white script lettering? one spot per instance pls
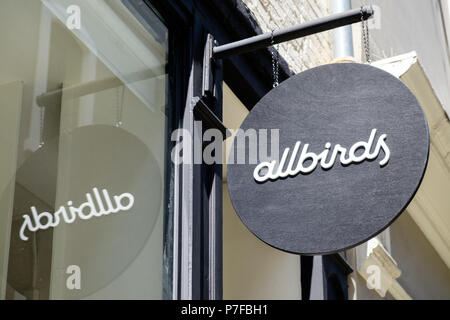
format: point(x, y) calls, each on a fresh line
point(85, 211)
point(273, 171)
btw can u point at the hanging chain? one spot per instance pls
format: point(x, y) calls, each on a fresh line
point(275, 63)
point(365, 37)
point(41, 126)
point(119, 107)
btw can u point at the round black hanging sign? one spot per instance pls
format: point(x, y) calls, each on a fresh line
point(353, 146)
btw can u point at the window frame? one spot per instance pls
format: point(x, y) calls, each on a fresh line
point(192, 267)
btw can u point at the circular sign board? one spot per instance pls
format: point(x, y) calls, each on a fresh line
point(353, 145)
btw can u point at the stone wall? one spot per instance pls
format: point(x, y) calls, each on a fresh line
point(301, 54)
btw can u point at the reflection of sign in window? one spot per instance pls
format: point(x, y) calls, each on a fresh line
point(91, 208)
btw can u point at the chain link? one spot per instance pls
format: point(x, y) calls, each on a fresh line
point(365, 37)
point(275, 62)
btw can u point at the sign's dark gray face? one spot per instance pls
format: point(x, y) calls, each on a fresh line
point(331, 209)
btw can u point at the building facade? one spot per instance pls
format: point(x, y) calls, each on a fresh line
point(96, 95)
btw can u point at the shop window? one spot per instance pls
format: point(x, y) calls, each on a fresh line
point(83, 164)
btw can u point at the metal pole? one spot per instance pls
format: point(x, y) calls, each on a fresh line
point(342, 37)
point(298, 31)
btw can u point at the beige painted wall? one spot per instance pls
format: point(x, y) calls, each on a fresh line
point(424, 274)
point(251, 268)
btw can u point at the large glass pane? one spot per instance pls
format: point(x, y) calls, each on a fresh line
point(83, 138)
